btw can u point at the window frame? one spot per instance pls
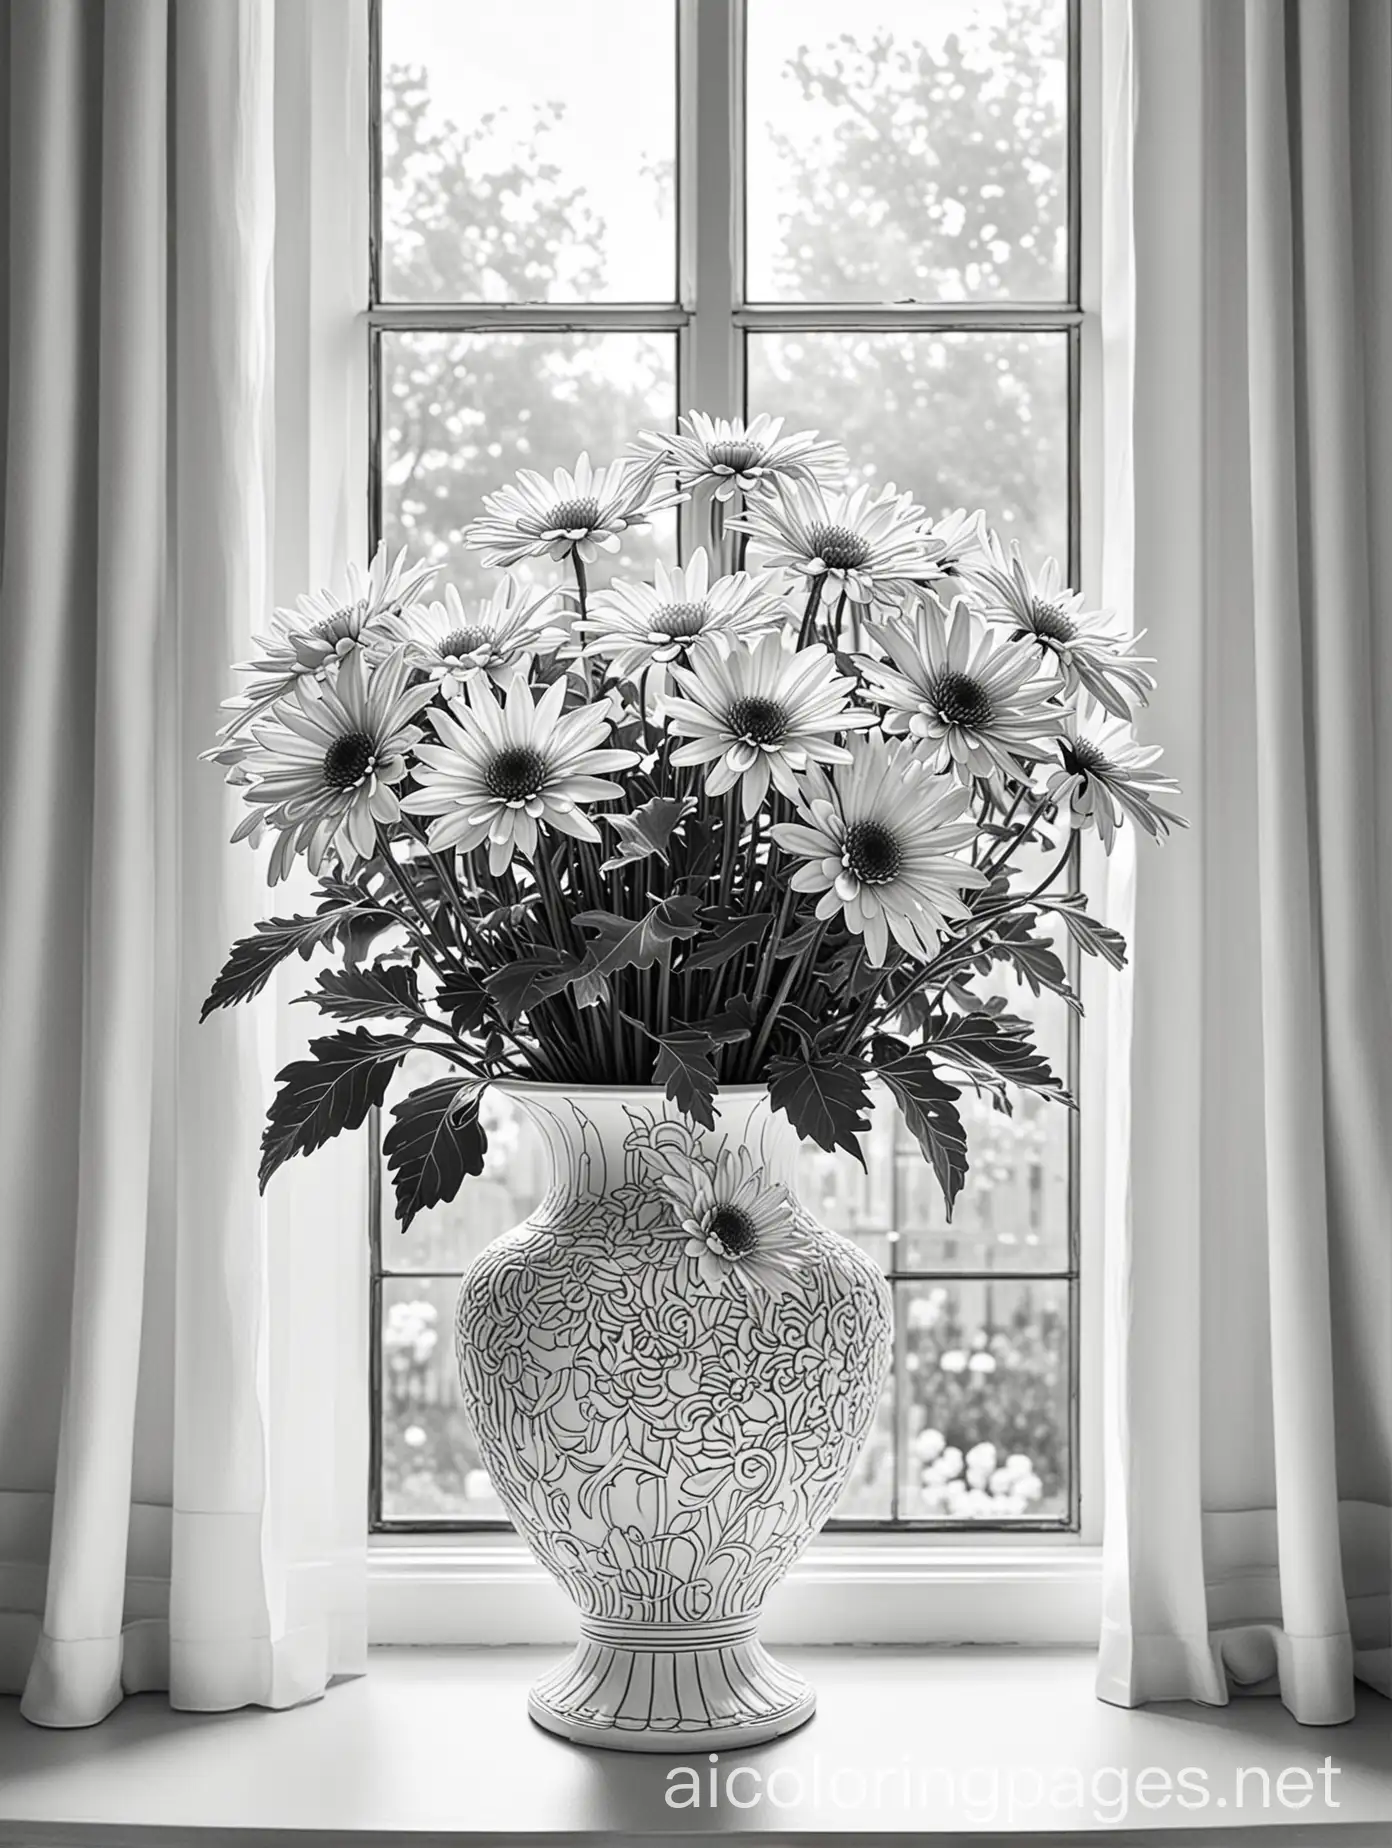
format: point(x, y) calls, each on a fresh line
point(711, 322)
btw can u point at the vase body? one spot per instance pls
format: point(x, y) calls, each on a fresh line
point(666, 1438)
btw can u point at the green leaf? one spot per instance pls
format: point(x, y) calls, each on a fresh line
point(825, 1102)
point(1096, 939)
point(252, 961)
point(1034, 959)
point(994, 1048)
point(435, 1141)
point(380, 991)
point(686, 1071)
point(465, 999)
point(344, 1077)
point(623, 944)
point(929, 1106)
point(518, 986)
point(734, 931)
point(647, 831)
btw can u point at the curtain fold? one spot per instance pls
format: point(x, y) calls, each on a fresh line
point(182, 1364)
point(1249, 1491)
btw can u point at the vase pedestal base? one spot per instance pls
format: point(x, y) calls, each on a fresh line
point(670, 1688)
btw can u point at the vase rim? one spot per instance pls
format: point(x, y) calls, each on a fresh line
point(527, 1087)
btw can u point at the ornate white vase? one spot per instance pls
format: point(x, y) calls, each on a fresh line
point(667, 1432)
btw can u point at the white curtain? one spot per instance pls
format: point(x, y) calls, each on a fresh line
point(182, 1364)
point(1249, 1287)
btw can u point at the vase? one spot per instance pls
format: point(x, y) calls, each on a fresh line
point(667, 1421)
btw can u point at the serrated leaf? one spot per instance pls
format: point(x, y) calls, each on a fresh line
point(521, 985)
point(826, 1101)
point(929, 1107)
point(435, 1141)
point(382, 991)
point(994, 1048)
point(1034, 959)
point(733, 931)
point(1095, 938)
point(253, 960)
point(623, 943)
point(686, 1071)
point(645, 833)
point(465, 1000)
point(344, 1077)
point(731, 1024)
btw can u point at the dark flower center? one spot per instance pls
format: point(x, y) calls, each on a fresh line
point(1083, 758)
point(759, 721)
point(348, 760)
point(463, 642)
point(733, 1230)
point(871, 852)
point(680, 620)
point(738, 457)
point(339, 626)
point(516, 773)
point(1048, 620)
point(573, 515)
point(960, 700)
point(838, 547)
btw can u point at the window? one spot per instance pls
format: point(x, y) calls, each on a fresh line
point(589, 213)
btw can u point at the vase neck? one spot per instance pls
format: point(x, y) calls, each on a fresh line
point(599, 1139)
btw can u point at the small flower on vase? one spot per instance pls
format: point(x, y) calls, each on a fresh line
point(740, 1230)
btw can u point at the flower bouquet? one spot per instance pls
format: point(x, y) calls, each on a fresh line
point(687, 863)
point(765, 818)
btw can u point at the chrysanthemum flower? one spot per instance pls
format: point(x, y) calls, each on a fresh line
point(733, 455)
point(761, 713)
point(954, 683)
point(1105, 776)
point(740, 1229)
point(502, 770)
point(1085, 645)
point(325, 766)
point(962, 536)
point(880, 839)
point(312, 641)
point(645, 625)
point(493, 637)
point(871, 549)
point(585, 512)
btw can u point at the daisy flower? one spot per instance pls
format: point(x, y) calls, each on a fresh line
point(585, 512)
point(879, 839)
point(451, 644)
point(955, 684)
point(869, 548)
point(962, 536)
point(646, 625)
point(761, 713)
point(503, 769)
point(735, 456)
point(325, 766)
point(1105, 777)
point(740, 1229)
point(312, 641)
point(1084, 645)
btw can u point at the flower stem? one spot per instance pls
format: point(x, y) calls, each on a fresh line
point(809, 615)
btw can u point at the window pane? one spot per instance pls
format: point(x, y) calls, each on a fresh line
point(430, 1461)
point(984, 1409)
point(528, 151)
point(920, 157)
point(462, 413)
point(963, 420)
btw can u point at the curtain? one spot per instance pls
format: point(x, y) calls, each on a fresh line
point(182, 1364)
point(1248, 1539)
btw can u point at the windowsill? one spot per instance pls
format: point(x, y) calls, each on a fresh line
point(434, 1746)
point(1039, 1590)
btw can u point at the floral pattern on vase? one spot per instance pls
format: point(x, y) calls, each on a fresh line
point(666, 1441)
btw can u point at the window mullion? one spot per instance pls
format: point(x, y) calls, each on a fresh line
point(710, 205)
